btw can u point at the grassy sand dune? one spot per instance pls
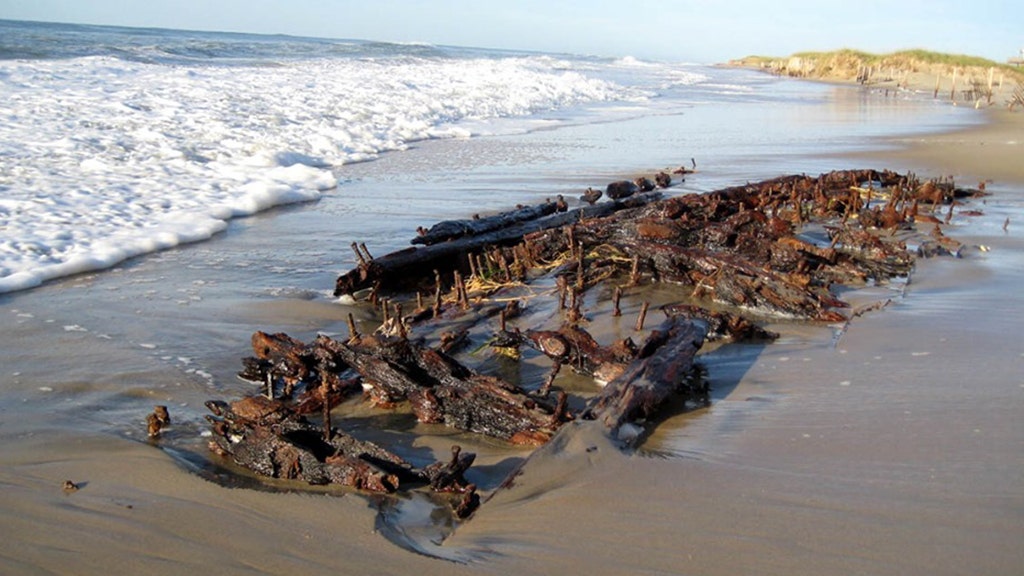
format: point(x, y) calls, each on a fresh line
point(953, 76)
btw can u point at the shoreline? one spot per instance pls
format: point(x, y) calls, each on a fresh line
point(990, 151)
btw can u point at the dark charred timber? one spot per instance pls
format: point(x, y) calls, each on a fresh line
point(662, 369)
point(737, 246)
point(621, 189)
point(452, 229)
point(290, 358)
point(267, 437)
point(732, 280)
point(413, 268)
point(574, 347)
point(284, 364)
point(663, 179)
point(391, 367)
point(486, 405)
point(450, 476)
point(441, 390)
point(590, 196)
point(868, 252)
point(720, 324)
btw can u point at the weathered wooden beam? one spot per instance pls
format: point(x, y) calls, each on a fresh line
point(414, 265)
point(452, 229)
point(661, 370)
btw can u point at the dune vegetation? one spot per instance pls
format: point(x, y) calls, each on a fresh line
point(961, 77)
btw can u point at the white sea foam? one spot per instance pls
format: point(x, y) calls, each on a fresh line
point(104, 159)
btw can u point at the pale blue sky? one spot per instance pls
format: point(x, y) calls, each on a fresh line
point(690, 30)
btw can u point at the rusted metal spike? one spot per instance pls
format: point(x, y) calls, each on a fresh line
point(369, 257)
point(505, 268)
point(359, 255)
point(457, 285)
point(481, 260)
point(353, 334)
point(560, 408)
point(454, 462)
point(575, 314)
point(580, 277)
point(325, 392)
point(643, 316)
point(634, 274)
point(545, 388)
point(401, 322)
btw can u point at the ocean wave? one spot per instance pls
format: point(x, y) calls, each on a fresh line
point(105, 158)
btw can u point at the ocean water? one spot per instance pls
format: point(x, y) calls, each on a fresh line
point(121, 142)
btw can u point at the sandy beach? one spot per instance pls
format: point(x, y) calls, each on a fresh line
point(891, 447)
point(991, 152)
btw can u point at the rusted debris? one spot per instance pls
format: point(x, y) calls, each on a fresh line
point(683, 170)
point(776, 249)
point(573, 346)
point(663, 180)
point(721, 324)
point(621, 189)
point(286, 447)
point(157, 421)
point(449, 476)
point(269, 438)
point(441, 390)
point(590, 196)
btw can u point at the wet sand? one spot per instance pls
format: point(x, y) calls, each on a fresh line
point(991, 152)
point(891, 448)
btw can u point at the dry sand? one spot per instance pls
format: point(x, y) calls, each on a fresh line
point(892, 448)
